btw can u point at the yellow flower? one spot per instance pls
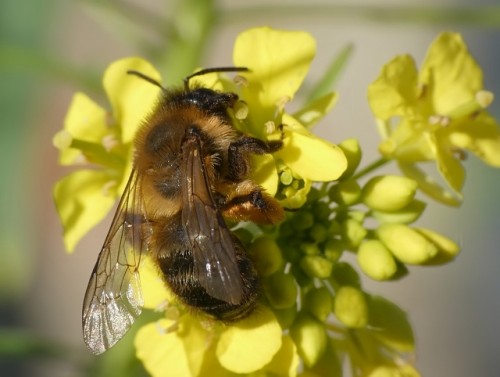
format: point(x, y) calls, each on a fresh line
point(435, 114)
point(277, 69)
point(101, 142)
point(183, 344)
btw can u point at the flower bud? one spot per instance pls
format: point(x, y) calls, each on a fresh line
point(333, 250)
point(266, 255)
point(310, 338)
point(353, 153)
point(303, 220)
point(406, 215)
point(376, 260)
point(321, 210)
point(281, 290)
point(353, 232)
point(316, 266)
point(447, 249)
point(350, 307)
point(345, 274)
point(406, 244)
point(318, 302)
point(345, 192)
point(286, 316)
point(318, 233)
point(389, 192)
point(309, 248)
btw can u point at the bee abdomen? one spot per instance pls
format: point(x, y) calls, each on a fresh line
point(177, 268)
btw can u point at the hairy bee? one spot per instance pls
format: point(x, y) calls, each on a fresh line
point(190, 172)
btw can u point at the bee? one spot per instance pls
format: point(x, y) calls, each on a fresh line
point(190, 173)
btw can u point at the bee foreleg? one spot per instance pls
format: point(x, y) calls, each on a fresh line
point(237, 163)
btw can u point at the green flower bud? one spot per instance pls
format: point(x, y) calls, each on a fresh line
point(333, 250)
point(319, 303)
point(389, 192)
point(302, 279)
point(286, 316)
point(318, 232)
point(321, 211)
point(350, 307)
point(376, 260)
point(406, 244)
point(352, 232)
point(353, 153)
point(291, 252)
point(345, 274)
point(346, 192)
point(406, 215)
point(266, 255)
point(316, 266)
point(303, 220)
point(281, 290)
point(310, 248)
point(447, 249)
point(310, 338)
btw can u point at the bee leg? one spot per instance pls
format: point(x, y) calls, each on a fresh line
point(237, 163)
point(252, 204)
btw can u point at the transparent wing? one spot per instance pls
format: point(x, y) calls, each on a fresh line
point(113, 298)
point(215, 264)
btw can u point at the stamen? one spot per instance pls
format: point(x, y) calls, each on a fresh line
point(240, 110)
point(106, 188)
point(459, 153)
point(109, 142)
point(280, 103)
point(440, 120)
point(270, 127)
point(62, 140)
point(240, 81)
point(484, 98)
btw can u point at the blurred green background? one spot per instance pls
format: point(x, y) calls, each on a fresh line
point(50, 49)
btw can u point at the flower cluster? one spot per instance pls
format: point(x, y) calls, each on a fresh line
point(313, 313)
point(435, 115)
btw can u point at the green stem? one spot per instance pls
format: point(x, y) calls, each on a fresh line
point(97, 154)
point(373, 166)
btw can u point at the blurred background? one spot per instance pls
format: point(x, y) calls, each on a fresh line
point(51, 49)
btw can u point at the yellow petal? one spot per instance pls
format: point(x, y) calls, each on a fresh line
point(277, 68)
point(83, 199)
point(265, 174)
point(131, 97)
point(481, 136)
point(154, 291)
point(251, 343)
point(451, 72)
point(85, 120)
point(310, 157)
point(451, 169)
point(286, 361)
point(313, 112)
point(162, 352)
point(394, 92)
point(430, 186)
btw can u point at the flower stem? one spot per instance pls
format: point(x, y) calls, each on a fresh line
point(373, 166)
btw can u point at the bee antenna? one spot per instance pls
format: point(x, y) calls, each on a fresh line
point(145, 77)
point(212, 70)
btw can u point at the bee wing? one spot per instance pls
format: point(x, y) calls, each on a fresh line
point(114, 298)
point(215, 264)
